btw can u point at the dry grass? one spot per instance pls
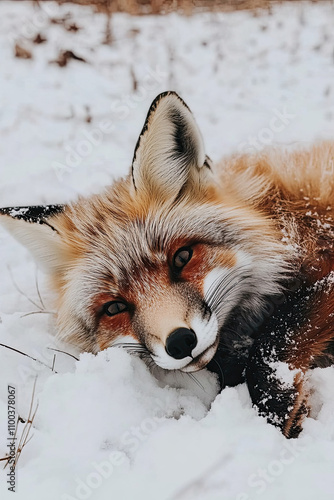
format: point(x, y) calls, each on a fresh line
point(25, 437)
point(141, 7)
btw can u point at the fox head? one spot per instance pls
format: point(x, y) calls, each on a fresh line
point(160, 260)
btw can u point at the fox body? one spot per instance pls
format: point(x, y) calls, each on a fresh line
point(191, 265)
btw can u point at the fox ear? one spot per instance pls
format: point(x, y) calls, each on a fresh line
point(170, 148)
point(33, 227)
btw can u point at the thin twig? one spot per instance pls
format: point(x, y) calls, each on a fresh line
point(53, 362)
point(63, 352)
point(27, 428)
point(24, 354)
point(20, 291)
point(37, 288)
point(24, 439)
point(37, 312)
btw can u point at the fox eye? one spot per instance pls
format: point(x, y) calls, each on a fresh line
point(182, 257)
point(113, 308)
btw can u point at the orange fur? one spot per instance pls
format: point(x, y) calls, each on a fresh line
point(256, 219)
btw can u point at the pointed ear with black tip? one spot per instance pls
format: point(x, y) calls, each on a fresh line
point(170, 151)
point(35, 227)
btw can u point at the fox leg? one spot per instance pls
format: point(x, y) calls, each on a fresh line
point(298, 337)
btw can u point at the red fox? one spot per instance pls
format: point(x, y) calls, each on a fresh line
point(191, 265)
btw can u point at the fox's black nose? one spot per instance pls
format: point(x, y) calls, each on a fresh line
point(180, 343)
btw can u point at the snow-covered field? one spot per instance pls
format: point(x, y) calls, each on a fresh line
point(106, 428)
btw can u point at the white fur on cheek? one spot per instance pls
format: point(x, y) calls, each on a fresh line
point(244, 260)
point(213, 277)
point(206, 333)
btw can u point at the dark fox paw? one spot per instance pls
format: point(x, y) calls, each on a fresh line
point(279, 393)
point(300, 410)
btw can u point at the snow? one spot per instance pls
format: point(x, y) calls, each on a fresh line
point(105, 427)
point(285, 374)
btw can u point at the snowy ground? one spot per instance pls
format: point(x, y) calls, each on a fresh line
point(105, 427)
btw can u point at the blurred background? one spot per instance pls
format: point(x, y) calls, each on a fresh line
point(78, 78)
point(76, 82)
point(142, 7)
